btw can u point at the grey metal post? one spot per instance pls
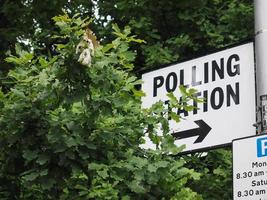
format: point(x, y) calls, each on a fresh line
point(261, 61)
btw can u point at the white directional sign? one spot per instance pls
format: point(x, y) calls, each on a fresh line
point(250, 168)
point(226, 80)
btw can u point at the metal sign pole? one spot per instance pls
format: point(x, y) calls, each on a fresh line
point(261, 62)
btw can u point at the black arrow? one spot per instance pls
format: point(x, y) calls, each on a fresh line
point(202, 131)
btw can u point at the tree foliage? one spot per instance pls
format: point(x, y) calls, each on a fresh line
point(72, 131)
point(30, 23)
point(178, 30)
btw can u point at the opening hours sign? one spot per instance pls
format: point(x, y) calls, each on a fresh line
point(225, 80)
point(250, 168)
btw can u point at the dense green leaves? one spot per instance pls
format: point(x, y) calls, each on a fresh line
point(73, 131)
point(177, 30)
point(216, 170)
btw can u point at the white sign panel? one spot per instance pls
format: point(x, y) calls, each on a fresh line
point(226, 80)
point(250, 168)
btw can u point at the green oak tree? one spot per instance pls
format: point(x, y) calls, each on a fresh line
point(72, 129)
